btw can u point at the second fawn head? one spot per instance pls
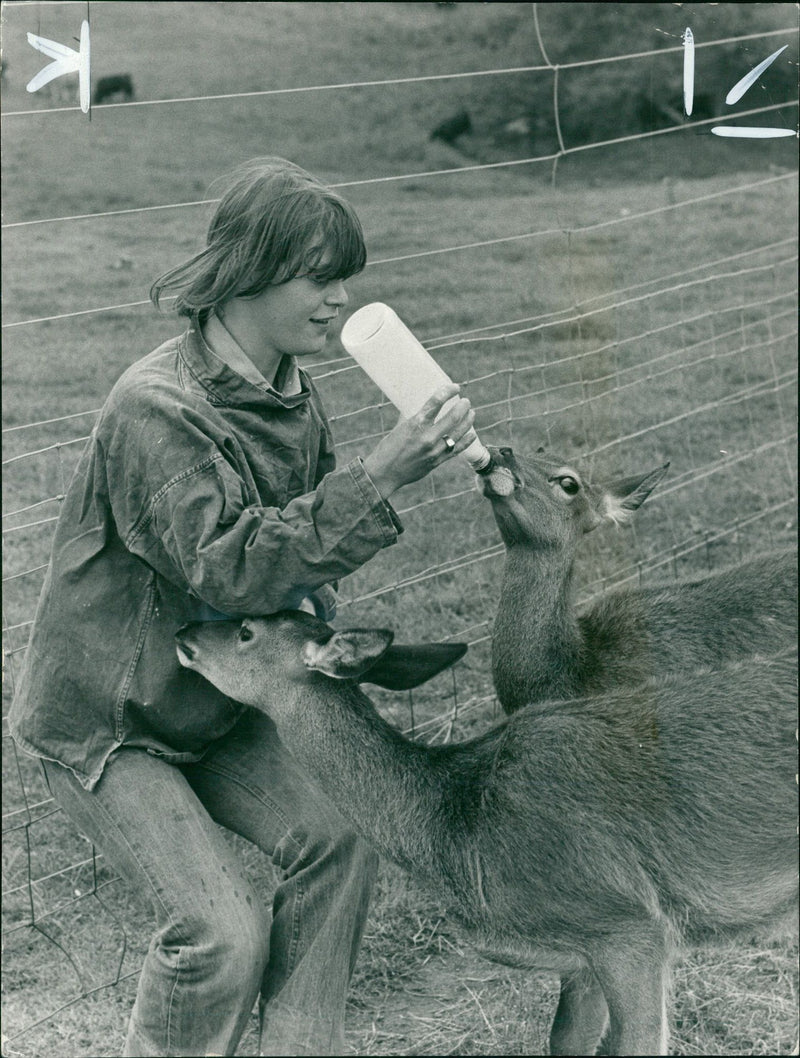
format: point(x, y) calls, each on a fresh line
point(540, 503)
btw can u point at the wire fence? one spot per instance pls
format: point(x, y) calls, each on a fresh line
point(642, 357)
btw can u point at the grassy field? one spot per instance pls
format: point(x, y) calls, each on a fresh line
point(642, 308)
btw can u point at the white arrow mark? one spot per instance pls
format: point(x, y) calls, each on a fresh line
point(65, 60)
point(745, 132)
point(688, 71)
point(741, 87)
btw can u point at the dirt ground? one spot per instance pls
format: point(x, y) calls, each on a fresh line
point(457, 999)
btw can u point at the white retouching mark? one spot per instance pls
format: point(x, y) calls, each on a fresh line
point(743, 132)
point(688, 71)
point(741, 87)
point(65, 60)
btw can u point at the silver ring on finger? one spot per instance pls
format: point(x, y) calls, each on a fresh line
point(449, 443)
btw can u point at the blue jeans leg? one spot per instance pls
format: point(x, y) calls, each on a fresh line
point(252, 784)
point(216, 948)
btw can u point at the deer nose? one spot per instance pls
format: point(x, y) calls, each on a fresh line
point(180, 638)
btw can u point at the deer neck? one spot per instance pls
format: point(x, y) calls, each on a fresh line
point(536, 639)
point(392, 789)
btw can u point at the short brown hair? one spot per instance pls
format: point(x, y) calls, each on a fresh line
point(273, 223)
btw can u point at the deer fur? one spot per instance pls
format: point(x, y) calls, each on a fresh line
point(598, 833)
point(543, 646)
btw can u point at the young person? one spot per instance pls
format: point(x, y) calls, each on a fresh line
point(209, 488)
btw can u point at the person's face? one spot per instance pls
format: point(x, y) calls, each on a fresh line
point(296, 317)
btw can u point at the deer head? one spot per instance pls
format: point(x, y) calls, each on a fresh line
point(540, 503)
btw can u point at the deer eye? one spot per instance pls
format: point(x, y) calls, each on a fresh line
point(569, 484)
point(245, 634)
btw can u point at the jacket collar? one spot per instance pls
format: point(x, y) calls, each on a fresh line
point(225, 385)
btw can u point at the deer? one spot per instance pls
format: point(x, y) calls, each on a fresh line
point(594, 835)
point(543, 646)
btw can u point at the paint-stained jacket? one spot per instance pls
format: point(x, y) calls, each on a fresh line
point(197, 492)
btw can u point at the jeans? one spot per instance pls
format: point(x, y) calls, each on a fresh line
point(216, 949)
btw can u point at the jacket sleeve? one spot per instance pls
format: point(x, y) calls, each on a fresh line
point(325, 598)
point(183, 507)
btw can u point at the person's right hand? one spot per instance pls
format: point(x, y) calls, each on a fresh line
point(417, 445)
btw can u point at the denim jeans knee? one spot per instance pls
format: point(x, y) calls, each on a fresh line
point(204, 966)
point(230, 944)
point(201, 978)
point(216, 946)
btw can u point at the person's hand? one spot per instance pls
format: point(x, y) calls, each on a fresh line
point(419, 444)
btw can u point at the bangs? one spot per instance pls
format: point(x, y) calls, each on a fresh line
point(330, 247)
point(274, 222)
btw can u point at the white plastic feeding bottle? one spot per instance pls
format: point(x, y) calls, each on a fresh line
point(401, 366)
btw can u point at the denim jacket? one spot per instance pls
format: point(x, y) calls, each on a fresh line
point(199, 493)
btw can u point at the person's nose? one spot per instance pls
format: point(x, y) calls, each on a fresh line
point(336, 294)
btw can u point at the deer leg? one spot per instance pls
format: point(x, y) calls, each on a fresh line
point(635, 980)
point(581, 1015)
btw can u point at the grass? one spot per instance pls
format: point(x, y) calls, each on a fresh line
point(691, 363)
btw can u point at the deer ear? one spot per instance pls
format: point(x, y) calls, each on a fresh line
point(401, 668)
point(348, 654)
point(621, 498)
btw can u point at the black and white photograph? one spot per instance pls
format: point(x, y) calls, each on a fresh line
point(400, 507)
